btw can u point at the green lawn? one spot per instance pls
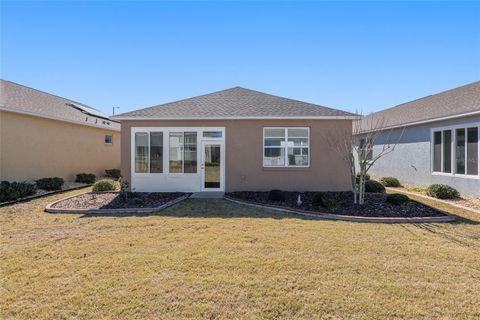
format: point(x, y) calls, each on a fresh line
point(214, 259)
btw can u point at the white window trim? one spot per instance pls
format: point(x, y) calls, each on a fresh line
point(453, 173)
point(285, 148)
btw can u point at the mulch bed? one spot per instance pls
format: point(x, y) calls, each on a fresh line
point(375, 205)
point(114, 200)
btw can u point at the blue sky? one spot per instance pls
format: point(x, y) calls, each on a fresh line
point(347, 55)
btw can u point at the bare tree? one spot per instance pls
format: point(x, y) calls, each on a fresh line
point(356, 149)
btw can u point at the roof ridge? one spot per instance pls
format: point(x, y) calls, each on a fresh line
point(296, 100)
point(179, 100)
point(51, 94)
point(424, 97)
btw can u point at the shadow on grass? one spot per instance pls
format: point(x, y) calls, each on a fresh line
point(449, 232)
point(209, 208)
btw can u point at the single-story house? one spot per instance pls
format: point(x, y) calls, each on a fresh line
point(439, 142)
point(233, 140)
point(43, 135)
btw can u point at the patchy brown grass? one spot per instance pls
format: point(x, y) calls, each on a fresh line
point(214, 259)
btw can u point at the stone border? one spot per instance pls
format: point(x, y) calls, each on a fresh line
point(329, 216)
point(49, 193)
point(49, 208)
point(431, 198)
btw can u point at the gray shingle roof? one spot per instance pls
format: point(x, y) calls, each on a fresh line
point(457, 101)
point(234, 103)
point(18, 98)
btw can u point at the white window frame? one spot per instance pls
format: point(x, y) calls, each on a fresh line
point(453, 143)
point(182, 150)
point(286, 165)
point(166, 146)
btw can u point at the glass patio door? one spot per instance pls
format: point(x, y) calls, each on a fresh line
point(212, 166)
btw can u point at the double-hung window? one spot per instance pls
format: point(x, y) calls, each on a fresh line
point(183, 152)
point(455, 150)
point(286, 147)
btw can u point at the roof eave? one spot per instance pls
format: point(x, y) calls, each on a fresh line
point(348, 117)
point(3, 108)
point(414, 123)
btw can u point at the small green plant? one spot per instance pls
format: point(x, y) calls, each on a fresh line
point(10, 191)
point(137, 201)
point(357, 178)
point(374, 186)
point(324, 199)
point(85, 178)
point(390, 182)
point(442, 191)
point(105, 185)
point(113, 173)
point(397, 199)
point(50, 184)
point(276, 195)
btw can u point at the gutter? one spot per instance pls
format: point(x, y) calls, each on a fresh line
point(34, 114)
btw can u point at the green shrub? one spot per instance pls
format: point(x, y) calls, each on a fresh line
point(10, 191)
point(50, 184)
point(105, 185)
point(137, 201)
point(390, 182)
point(113, 173)
point(276, 195)
point(324, 199)
point(85, 178)
point(397, 198)
point(374, 186)
point(442, 191)
point(357, 178)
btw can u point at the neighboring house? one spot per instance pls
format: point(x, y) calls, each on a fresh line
point(43, 135)
point(232, 140)
point(440, 141)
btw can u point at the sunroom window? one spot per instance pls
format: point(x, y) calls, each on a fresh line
point(141, 152)
point(286, 147)
point(183, 152)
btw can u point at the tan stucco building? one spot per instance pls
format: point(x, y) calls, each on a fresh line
point(43, 135)
point(234, 140)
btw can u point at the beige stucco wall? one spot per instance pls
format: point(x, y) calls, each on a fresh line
point(244, 154)
point(33, 147)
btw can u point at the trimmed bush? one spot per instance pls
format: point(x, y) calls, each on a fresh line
point(357, 178)
point(85, 178)
point(442, 191)
point(324, 199)
point(113, 173)
point(105, 185)
point(374, 186)
point(397, 199)
point(276, 195)
point(390, 182)
point(50, 184)
point(10, 191)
